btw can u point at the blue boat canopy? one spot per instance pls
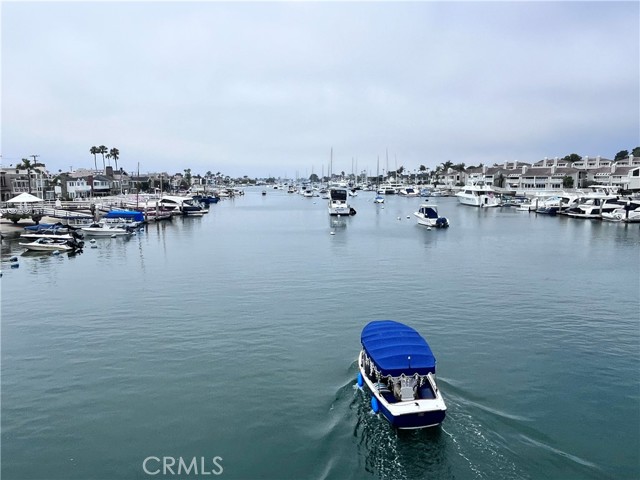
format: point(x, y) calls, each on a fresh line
point(126, 214)
point(395, 348)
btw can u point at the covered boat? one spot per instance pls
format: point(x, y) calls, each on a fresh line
point(127, 215)
point(398, 367)
point(427, 215)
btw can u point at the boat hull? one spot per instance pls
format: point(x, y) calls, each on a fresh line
point(339, 211)
point(45, 248)
point(104, 232)
point(482, 201)
point(409, 415)
point(414, 421)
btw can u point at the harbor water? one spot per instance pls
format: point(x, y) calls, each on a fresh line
point(232, 339)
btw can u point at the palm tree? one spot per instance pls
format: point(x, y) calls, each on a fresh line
point(26, 163)
point(102, 150)
point(94, 151)
point(115, 154)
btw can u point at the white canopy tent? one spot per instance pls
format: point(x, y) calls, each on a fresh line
point(25, 198)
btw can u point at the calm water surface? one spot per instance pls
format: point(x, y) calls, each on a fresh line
point(236, 335)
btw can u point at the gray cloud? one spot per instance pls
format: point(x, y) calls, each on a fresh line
point(259, 88)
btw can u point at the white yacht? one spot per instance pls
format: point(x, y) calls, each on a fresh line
point(595, 205)
point(338, 204)
point(478, 195)
point(389, 188)
point(630, 213)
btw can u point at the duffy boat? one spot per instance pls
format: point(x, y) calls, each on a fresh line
point(397, 366)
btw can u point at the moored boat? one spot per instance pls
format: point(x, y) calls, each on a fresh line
point(398, 368)
point(338, 204)
point(181, 205)
point(50, 245)
point(427, 215)
point(104, 229)
point(478, 194)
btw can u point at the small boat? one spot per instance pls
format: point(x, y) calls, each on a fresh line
point(52, 228)
point(103, 229)
point(398, 368)
point(627, 214)
point(183, 205)
point(54, 236)
point(51, 245)
point(379, 199)
point(338, 204)
point(133, 218)
point(206, 199)
point(427, 215)
point(408, 192)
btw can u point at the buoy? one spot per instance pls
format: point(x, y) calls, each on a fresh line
point(333, 233)
point(13, 259)
point(398, 218)
point(374, 405)
point(360, 380)
point(408, 216)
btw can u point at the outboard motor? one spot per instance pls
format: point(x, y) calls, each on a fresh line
point(442, 222)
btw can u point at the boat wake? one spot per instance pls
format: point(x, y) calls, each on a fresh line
point(485, 453)
point(382, 451)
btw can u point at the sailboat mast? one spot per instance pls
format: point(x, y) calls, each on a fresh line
point(331, 165)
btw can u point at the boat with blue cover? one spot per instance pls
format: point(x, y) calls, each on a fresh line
point(398, 367)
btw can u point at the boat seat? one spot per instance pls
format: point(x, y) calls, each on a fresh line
point(426, 392)
point(382, 388)
point(406, 393)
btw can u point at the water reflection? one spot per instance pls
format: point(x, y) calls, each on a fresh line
point(337, 222)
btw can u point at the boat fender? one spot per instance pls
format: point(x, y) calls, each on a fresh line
point(360, 381)
point(374, 405)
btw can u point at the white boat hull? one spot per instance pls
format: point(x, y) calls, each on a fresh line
point(38, 247)
point(105, 232)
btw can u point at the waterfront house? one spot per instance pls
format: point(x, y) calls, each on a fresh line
point(17, 180)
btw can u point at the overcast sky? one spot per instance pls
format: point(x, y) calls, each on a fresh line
point(269, 88)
